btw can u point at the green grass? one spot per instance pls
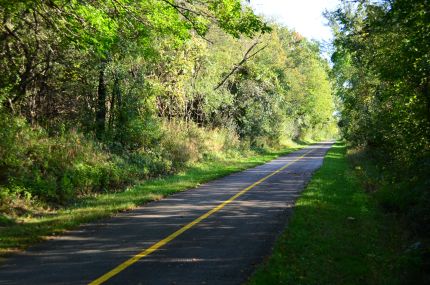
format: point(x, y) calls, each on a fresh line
point(19, 234)
point(337, 234)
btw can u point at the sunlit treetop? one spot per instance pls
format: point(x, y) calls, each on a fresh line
point(102, 24)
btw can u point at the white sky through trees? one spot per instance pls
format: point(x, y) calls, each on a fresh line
point(304, 16)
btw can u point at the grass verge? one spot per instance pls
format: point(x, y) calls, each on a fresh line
point(337, 234)
point(19, 234)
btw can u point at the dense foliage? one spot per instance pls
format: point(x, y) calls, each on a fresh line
point(382, 69)
point(98, 94)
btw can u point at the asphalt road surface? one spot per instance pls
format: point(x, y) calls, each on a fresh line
point(214, 234)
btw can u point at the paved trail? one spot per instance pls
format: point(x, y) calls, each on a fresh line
point(197, 247)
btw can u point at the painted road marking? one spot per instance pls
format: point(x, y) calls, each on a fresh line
point(171, 237)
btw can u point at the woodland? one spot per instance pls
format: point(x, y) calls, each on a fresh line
point(99, 95)
point(381, 72)
point(381, 69)
point(96, 95)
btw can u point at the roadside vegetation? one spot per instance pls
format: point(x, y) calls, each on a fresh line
point(382, 75)
point(98, 96)
point(40, 222)
point(338, 234)
point(369, 222)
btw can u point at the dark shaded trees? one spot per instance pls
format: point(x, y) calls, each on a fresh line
point(382, 72)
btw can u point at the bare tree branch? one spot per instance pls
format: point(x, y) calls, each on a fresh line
point(245, 58)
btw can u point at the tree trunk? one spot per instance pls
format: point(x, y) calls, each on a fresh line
point(115, 94)
point(101, 103)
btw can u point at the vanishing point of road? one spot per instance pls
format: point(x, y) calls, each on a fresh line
point(214, 234)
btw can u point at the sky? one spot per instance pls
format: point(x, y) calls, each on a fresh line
point(304, 16)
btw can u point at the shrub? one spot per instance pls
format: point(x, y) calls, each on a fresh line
point(54, 169)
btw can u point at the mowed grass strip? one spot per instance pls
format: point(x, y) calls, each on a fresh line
point(337, 234)
point(32, 229)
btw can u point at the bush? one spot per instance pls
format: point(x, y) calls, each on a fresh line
point(184, 143)
point(55, 169)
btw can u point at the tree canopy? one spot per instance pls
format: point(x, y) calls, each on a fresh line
point(382, 72)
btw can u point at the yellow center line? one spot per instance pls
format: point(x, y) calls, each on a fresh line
point(171, 237)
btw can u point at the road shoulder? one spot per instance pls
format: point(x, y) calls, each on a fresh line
point(337, 234)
